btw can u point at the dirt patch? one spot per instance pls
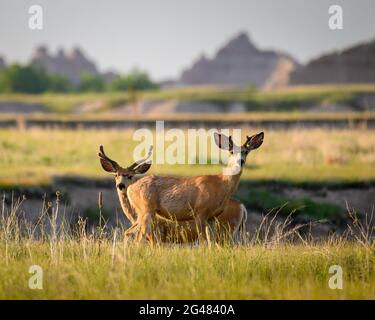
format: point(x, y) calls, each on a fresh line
point(331, 107)
point(19, 107)
point(259, 225)
point(90, 106)
point(76, 201)
point(81, 199)
point(154, 107)
point(362, 200)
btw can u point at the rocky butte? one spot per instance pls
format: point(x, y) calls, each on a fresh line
point(70, 65)
point(241, 63)
point(353, 65)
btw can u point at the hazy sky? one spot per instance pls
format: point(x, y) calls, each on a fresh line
point(165, 36)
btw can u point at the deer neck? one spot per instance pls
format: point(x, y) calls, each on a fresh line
point(231, 176)
point(127, 207)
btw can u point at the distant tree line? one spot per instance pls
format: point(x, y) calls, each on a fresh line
point(32, 79)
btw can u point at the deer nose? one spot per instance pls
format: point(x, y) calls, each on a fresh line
point(121, 186)
point(242, 162)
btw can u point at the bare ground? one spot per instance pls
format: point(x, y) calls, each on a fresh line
point(84, 199)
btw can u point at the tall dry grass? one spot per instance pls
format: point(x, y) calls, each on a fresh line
point(276, 262)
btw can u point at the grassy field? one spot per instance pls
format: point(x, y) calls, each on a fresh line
point(293, 98)
point(89, 269)
point(33, 161)
point(34, 157)
point(81, 264)
point(280, 116)
point(78, 265)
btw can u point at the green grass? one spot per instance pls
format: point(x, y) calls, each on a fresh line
point(35, 157)
point(33, 160)
point(278, 117)
point(293, 98)
point(65, 103)
point(80, 266)
point(87, 269)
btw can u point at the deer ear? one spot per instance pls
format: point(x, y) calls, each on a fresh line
point(223, 142)
point(143, 168)
point(255, 141)
point(107, 166)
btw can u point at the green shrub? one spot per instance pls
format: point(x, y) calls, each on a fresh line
point(135, 80)
point(27, 79)
point(264, 200)
point(91, 83)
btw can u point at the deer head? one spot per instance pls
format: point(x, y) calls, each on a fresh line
point(238, 154)
point(124, 176)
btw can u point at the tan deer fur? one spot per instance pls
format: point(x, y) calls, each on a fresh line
point(226, 226)
point(228, 223)
point(197, 198)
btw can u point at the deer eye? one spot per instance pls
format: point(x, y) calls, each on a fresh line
point(126, 176)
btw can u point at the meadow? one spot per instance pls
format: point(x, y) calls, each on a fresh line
point(33, 161)
point(89, 269)
point(290, 99)
point(78, 264)
point(34, 157)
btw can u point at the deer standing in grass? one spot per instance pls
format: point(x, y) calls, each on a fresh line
point(196, 199)
point(226, 224)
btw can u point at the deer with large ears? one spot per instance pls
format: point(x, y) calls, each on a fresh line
point(199, 198)
point(227, 224)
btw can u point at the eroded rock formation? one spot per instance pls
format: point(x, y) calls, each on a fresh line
point(353, 65)
point(71, 65)
point(241, 63)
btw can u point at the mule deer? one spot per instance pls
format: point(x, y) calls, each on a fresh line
point(229, 223)
point(194, 198)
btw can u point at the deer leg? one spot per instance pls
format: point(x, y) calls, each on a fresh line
point(133, 229)
point(201, 224)
point(159, 230)
point(145, 226)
